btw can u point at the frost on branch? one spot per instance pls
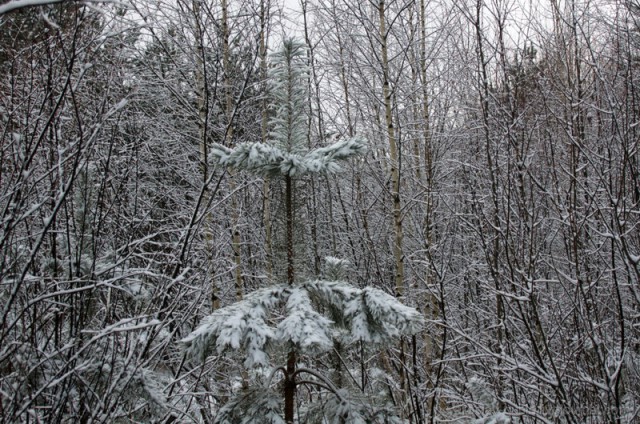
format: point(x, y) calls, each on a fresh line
point(368, 315)
point(260, 158)
point(241, 325)
point(304, 327)
point(377, 317)
point(335, 268)
point(285, 153)
point(270, 160)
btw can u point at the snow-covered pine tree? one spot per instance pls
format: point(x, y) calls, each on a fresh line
point(318, 313)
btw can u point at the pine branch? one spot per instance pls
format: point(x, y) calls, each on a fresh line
point(268, 160)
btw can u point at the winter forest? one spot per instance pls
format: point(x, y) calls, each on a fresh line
point(320, 211)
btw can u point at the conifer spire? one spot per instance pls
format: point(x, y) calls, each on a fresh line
point(364, 315)
point(285, 152)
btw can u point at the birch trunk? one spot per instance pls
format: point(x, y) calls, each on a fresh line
point(393, 155)
point(395, 180)
point(228, 140)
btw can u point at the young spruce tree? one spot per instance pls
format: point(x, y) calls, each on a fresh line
point(309, 317)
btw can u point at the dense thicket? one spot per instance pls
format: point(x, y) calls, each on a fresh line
point(500, 195)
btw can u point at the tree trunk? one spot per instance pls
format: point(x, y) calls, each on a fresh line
point(394, 157)
point(266, 187)
point(228, 140)
point(202, 105)
point(395, 179)
point(289, 382)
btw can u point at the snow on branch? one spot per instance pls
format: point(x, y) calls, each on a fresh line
point(340, 150)
point(369, 314)
point(306, 328)
point(21, 4)
point(240, 325)
point(348, 314)
point(377, 317)
point(260, 158)
point(335, 268)
point(269, 160)
point(390, 315)
point(336, 294)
